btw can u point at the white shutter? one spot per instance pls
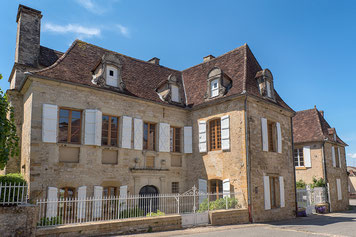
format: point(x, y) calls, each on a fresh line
point(333, 156)
point(203, 189)
point(164, 137)
point(338, 152)
point(126, 132)
point(225, 132)
point(98, 196)
point(279, 137)
point(52, 205)
point(138, 134)
point(338, 186)
point(49, 123)
point(264, 134)
point(188, 139)
point(112, 80)
point(268, 89)
point(175, 93)
point(267, 192)
point(306, 155)
point(123, 197)
point(93, 124)
point(281, 190)
point(82, 194)
point(202, 136)
point(226, 188)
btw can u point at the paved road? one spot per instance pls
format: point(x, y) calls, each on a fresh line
point(334, 224)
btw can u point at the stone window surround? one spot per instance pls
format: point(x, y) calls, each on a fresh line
point(298, 155)
point(215, 74)
point(262, 79)
point(69, 125)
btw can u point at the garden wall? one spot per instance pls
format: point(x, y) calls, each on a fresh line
point(228, 217)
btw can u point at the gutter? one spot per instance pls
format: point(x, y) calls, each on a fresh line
point(294, 171)
point(248, 165)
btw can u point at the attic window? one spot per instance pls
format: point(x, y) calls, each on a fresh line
point(214, 88)
point(111, 73)
point(112, 76)
point(265, 83)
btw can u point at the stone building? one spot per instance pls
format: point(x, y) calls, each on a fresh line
point(96, 122)
point(320, 153)
point(351, 171)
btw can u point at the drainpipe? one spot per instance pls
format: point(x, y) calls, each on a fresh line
point(248, 166)
point(294, 172)
point(325, 175)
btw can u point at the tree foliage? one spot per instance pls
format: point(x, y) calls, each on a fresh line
point(301, 184)
point(9, 141)
point(318, 183)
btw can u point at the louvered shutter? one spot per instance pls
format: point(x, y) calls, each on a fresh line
point(338, 186)
point(138, 134)
point(98, 196)
point(203, 189)
point(202, 136)
point(52, 205)
point(126, 132)
point(226, 188)
point(82, 194)
point(264, 134)
point(164, 137)
point(279, 137)
point(338, 152)
point(307, 157)
point(49, 123)
point(267, 192)
point(123, 197)
point(333, 156)
point(281, 191)
point(225, 133)
point(188, 139)
point(93, 124)
point(175, 93)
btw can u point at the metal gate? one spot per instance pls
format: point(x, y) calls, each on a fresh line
point(308, 198)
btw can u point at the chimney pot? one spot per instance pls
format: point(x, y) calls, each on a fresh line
point(154, 61)
point(208, 58)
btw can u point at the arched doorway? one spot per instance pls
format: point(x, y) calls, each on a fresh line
point(148, 199)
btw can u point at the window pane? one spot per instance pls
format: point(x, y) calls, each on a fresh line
point(171, 139)
point(145, 136)
point(76, 114)
point(152, 137)
point(75, 135)
point(177, 140)
point(63, 125)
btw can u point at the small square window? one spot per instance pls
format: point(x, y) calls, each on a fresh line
point(175, 187)
point(111, 73)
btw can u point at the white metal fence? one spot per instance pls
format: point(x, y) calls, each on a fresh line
point(308, 198)
point(74, 210)
point(13, 193)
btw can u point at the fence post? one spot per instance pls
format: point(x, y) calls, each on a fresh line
point(226, 202)
point(194, 198)
point(151, 206)
point(208, 202)
point(178, 203)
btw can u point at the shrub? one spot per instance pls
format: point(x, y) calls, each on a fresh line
point(13, 194)
point(132, 212)
point(318, 183)
point(12, 178)
point(301, 184)
point(158, 213)
point(46, 221)
point(218, 204)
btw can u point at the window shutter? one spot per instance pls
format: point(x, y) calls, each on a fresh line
point(175, 93)
point(333, 156)
point(49, 123)
point(281, 190)
point(82, 194)
point(225, 132)
point(279, 137)
point(338, 152)
point(188, 139)
point(306, 155)
point(203, 188)
point(52, 195)
point(93, 123)
point(267, 192)
point(338, 185)
point(123, 197)
point(126, 132)
point(269, 94)
point(226, 188)
point(202, 136)
point(138, 134)
point(264, 134)
point(164, 137)
point(98, 196)
point(112, 80)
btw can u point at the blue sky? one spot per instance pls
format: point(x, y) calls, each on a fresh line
point(308, 45)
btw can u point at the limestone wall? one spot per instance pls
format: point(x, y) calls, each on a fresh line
point(228, 217)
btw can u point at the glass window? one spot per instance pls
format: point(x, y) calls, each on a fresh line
point(110, 130)
point(149, 136)
point(70, 122)
point(214, 88)
point(298, 157)
point(272, 136)
point(215, 134)
point(175, 139)
point(175, 187)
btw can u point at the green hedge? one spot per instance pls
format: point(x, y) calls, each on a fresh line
point(12, 195)
point(218, 204)
point(12, 178)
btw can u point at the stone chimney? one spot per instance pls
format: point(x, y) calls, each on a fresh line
point(27, 43)
point(322, 112)
point(154, 61)
point(208, 58)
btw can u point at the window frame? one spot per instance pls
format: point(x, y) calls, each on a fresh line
point(109, 191)
point(217, 134)
point(109, 131)
point(218, 184)
point(149, 124)
point(214, 89)
point(175, 187)
point(272, 140)
point(174, 139)
point(298, 157)
point(337, 158)
point(274, 182)
point(69, 129)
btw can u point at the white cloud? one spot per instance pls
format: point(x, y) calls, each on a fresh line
point(79, 30)
point(352, 155)
point(123, 30)
point(93, 7)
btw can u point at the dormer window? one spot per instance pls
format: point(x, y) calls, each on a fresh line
point(218, 83)
point(111, 76)
point(265, 83)
point(171, 90)
point(175, 93)
point(214, 88)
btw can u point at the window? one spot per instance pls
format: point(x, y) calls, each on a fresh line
point(111, 73)
point(274, 191)
point(149, 136)
point(175, 93)
point(215, 135)
point(215, 186)
point(66, 192)
point(112, 76)
point(175, 139)
point(67, 209)
point(109, 191)
point(110, 131)
point(150, 162)
point(214, 88)
point(298, 157)
point(269, 89)
point(272, 136)
point(70, 123)
point(337, 158)
point(175, 187)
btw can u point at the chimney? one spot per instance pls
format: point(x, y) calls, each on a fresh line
point(208, 58)
point(154, 61)
point(322, 113)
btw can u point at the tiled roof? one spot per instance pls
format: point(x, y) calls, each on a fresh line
point(142, 78)
point(48, 56)
point(310, 125)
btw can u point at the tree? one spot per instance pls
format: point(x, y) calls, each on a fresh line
point(9, 141)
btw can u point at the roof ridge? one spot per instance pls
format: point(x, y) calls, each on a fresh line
point(231, 51)
point(51, 49)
